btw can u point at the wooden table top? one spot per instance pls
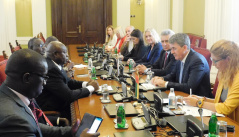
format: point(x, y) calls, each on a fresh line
point(93, 105)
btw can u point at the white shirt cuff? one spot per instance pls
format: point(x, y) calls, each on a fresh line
point(84, 84)
point(90, 88)
point(166, 84)
point(145, 71)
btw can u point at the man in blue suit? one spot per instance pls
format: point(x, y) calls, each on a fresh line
point(26, 74)
point(191, 72)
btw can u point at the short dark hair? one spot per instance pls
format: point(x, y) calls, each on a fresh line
point(31, 43)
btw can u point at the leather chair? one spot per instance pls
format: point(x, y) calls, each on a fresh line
point(206, 53)
point(203, 43)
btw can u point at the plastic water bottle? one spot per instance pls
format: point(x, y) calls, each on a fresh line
point(93, 73)
point(121, 116)
point(212, 132)
point(90, 64)
point(172, 99)
point(85, 57)
point(131, 65)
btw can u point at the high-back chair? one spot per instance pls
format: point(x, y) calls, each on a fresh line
point(206, 53)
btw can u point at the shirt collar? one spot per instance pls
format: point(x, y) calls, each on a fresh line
point(57, 65)
point(23, 98)
point(184, 59)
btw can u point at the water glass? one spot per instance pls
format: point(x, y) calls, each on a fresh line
point(105, 92)
point(222, 128)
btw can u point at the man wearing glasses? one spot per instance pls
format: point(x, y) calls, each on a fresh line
point(26, 75)
point(191, 72)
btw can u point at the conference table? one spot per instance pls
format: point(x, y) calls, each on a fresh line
point(93, 105)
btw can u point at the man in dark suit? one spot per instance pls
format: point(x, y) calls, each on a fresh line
point(37, 45)
point(166, 62)
point(60, 90)
point(191, 72)
point(26, 74)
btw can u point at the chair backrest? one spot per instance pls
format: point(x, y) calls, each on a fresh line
point(11, 47)
point(40, 35)
point(206, 53)
point(195, 39)
point(203, 43)
point(2, 71)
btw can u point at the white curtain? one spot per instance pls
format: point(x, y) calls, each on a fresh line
point(177, 19)
point(221, 22)
point(7, 25)
point(157, 14)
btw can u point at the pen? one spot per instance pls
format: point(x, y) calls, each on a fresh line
point(190, 92)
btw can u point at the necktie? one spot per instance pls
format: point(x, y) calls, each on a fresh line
point(38, 113)
point(181, 72)
point(33, 109)
point(165, 59)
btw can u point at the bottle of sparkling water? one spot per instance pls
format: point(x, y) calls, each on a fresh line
point(172, 99)
point(85, 57)
point(212, 132)
point(93, 73)
point(121, 116)
point(116, 50)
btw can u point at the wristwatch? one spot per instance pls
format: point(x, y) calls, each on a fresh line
point(200, 102)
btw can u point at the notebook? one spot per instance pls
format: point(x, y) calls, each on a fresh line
point(140, 133)
point(128, 107)
point(179, 123)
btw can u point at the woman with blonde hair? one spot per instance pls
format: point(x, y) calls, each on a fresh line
point(110, 38)
point(120, 38)
point(154, 48)
point(224, 55)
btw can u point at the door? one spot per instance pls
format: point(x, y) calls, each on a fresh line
point(80, 21)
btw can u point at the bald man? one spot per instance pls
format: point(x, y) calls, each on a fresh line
point(37, 45)
point(26, 74)
point(60, 90)
point(128, 43)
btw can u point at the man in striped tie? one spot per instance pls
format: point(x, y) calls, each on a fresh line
point(166, 62)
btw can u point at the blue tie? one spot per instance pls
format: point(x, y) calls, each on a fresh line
point(181, 72)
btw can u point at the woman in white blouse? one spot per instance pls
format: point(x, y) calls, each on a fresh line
point(110, 38)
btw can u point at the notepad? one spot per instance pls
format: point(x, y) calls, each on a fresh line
point(189, 110)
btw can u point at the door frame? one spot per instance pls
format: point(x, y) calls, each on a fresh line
point(56, 17)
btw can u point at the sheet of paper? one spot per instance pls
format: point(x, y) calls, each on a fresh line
point(109, 88)
point(80, 66)
point(148, 86)
point(194, 111)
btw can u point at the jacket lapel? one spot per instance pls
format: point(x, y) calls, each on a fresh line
point(12, 95)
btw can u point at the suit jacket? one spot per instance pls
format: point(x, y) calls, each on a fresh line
point(158, 66)
point(230, 106)
point(136, 53)
point(60, 91)
point(196, 75)
point(154, 55)
point(16, 119)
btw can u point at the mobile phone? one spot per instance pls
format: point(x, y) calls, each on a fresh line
point(178, 112)
point(95, 126)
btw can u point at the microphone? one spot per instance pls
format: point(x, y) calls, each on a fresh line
point(200, 111)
